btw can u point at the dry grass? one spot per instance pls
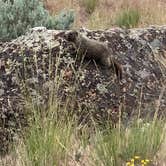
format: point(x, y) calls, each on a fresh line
point(161, 157)
point(152, 12)
point(55, 6)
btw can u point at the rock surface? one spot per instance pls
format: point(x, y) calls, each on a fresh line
point(30, 64)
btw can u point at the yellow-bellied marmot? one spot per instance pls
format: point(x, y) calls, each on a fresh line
point(93, 49)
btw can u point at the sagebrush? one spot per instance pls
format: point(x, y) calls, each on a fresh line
point(17, 17)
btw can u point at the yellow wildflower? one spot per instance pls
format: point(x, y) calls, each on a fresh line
point(132, 160)
point(128, 164)
point(137, 157)
point(147, 160)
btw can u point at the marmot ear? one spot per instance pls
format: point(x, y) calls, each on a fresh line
point(75, 33)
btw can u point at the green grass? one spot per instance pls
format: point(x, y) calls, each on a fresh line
point(117, 146)
point(50, 140)
point(128, 18)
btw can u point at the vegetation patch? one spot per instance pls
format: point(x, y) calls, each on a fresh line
point(17, 17)
point(128, 18)
point(89, 5)
point(115, 146)
point(60, 140)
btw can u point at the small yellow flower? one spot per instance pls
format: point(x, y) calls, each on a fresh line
point(132, 160)
point(132, 164)
point(142, 161)
point(137, 157)
point(128, 164)
point(147, 160)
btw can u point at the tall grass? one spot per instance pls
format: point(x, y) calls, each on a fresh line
point(55, 140)
point(48, 139)
point(128, 18)
point(113, 147)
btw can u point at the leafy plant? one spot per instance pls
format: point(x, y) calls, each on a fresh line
point(18, 16)
point(129, 18)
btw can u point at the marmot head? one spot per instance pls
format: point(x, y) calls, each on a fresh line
point(71, 36)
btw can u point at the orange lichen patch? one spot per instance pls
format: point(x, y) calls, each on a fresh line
point(68, 74)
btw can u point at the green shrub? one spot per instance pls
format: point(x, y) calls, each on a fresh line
point(129, 18)
point(89, 5)
point(17, 17)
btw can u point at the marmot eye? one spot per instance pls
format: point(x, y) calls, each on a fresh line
point(70, 36)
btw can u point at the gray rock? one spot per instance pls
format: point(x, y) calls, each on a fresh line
point(2, 92)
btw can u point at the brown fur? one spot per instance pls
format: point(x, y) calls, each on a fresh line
point(96, 50)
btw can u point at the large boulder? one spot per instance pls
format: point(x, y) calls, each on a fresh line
point(30, 64)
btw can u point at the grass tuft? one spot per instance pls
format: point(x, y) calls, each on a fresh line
point(128, 18)
point(89, 5)
point(47, 141)
point(113, 147)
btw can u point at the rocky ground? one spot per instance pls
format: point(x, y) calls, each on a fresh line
point(31, 65)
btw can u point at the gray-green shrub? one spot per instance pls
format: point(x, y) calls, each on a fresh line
point(17, 17)
point(64, 19)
